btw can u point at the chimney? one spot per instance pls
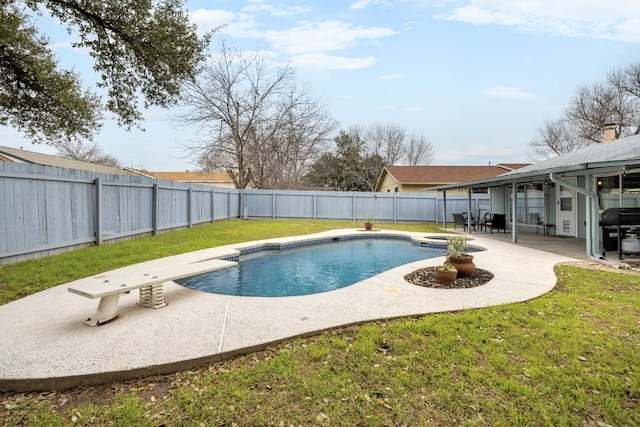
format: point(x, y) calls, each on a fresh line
point(609, 133)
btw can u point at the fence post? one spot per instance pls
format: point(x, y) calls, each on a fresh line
point(395, 208)
point(273, 205)
point(315, 213)
point(154, 209)
point(353, 208)
point(213, 205)
point(189, 208)
point(98, 206)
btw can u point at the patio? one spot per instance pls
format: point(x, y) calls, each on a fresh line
point(565, 246)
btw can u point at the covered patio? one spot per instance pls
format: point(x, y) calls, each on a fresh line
point(572, 247)
point(564, 197)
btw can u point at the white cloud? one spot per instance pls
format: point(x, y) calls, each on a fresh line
point(329, 62)
point(229, 23)
point(361, 4)
point(505, 92)
point(327, 36)
point(322, 44)
point(274, 8)
point(613, 19)
point(392, 77)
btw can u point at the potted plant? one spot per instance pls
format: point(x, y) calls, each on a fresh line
point(445, 274)
point(456, 244)
point(368, 223)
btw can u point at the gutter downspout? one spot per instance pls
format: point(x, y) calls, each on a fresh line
point(593, 246)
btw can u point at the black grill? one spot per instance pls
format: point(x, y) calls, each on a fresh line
point(615, 223)
point(620, 216)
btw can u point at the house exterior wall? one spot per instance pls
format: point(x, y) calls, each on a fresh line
point(389, 184)
point(420, 187)
point(500, 201)
point(426, 188)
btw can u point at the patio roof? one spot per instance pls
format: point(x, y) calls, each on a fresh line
point(621, 154)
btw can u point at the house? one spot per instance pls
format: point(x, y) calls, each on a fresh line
point(566, 195)
point(17, 155)
point(218, 179)
point(403, 179)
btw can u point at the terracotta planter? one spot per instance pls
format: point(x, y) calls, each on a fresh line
point(445, 276)
point(463, 263)
point(368, 225)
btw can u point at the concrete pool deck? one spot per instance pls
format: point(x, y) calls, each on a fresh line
point(46, 345)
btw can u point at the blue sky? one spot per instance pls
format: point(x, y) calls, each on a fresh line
point(475, 77)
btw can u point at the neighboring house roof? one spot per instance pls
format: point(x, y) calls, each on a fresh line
point(438, 175)
point(196, 177)
point(513, 166)
point(17, 155)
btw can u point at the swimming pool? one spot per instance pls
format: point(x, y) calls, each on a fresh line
point(311, 268)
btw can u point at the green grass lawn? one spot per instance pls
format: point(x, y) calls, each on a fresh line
point(568, 358)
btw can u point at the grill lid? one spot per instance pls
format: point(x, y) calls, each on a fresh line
point(620, 216)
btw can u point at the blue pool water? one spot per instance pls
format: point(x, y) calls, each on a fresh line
point(310, 269)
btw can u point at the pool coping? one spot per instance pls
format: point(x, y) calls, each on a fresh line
point(46, 345)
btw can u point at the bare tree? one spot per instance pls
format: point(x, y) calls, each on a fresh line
point(419, 151)
point(394, 146)
point(256, 123)
point(387, 141)
point(627, 81)
point(595, 105)
point(89, 152)
point(616, 100)
point(555, 138)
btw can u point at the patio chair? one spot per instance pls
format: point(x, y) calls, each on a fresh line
point(498, 221)
point(534, 218)
point(484, 221)
point(458, 220)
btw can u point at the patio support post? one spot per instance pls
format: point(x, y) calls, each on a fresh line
point(469, 212)
point(444, 209)
point(514, 206)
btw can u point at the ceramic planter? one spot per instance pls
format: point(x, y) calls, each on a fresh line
point(445, 276)
point(463, 263)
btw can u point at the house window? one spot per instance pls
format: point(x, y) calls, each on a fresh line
point(619, 190)
point(530, 204)
point(396, 190)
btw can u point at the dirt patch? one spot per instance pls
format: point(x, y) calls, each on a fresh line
point(626, 267)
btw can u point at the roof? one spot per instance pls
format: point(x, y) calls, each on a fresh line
point(622, 149)
point(513, 166)
point(621, 154)
point(17, 155)
point(447, 174)
point(193, 176)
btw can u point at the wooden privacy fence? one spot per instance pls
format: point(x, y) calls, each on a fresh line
point(46, 210)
